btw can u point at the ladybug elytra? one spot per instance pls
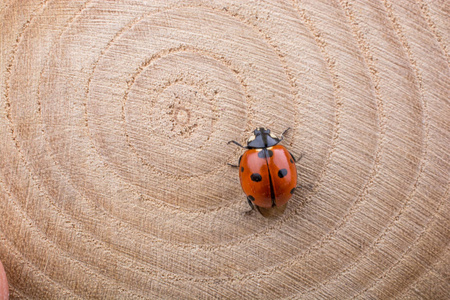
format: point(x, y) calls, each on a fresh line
point(267, 170)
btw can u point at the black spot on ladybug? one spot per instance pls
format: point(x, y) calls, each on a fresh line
point(292, 191)
point(282, 173)
point(291, 161)
point(262, 153)
point(242, 169)
point(251, 198)
point(256, 177)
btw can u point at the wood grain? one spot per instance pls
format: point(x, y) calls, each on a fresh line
point(115, 115)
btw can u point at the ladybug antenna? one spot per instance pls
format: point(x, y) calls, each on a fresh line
point(282, 135)
point(236, 143)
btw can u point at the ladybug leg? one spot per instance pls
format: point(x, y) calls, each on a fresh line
point(296, 159)
point(236, 143)
point(308, 187)
point(251, 206)
point(236, 166)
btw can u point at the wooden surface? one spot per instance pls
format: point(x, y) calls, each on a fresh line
point(114, 118)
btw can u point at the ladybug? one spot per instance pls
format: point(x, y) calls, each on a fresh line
point(267, 170)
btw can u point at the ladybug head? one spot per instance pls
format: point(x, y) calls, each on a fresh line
point(262, 138)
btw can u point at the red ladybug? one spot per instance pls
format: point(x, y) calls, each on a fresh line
point(267, 170)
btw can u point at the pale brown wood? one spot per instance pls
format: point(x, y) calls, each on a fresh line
point(114, 122)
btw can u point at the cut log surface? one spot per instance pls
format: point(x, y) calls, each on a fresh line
point(114, 123)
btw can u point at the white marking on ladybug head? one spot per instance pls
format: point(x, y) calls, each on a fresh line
point(251, 138)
